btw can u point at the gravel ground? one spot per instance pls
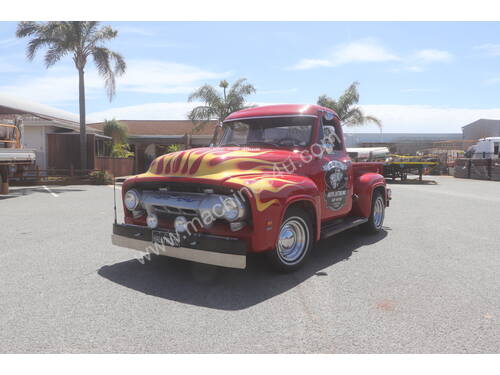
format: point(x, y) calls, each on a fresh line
point(430, 283)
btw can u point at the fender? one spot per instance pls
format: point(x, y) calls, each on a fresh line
point(364, 186)
point(271, 195)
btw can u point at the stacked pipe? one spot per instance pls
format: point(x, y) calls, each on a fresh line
point(495, 169)
point(480, 169)
point(462, 168)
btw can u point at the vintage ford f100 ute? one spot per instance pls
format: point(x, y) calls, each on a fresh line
point(277, 180)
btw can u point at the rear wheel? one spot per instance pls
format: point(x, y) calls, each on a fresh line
point(294, 243)
point(376, 219)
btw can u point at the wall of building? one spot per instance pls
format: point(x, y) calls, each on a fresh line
point(481, 129)
point(35, 138)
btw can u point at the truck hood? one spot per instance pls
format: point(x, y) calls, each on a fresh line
point(219, 164)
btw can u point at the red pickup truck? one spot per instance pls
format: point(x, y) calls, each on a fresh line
point(277, 181)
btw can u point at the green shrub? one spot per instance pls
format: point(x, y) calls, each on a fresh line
point(100, 178)
point(121, 150)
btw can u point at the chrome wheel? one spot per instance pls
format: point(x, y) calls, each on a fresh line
point(293, 240)
point(378, 212)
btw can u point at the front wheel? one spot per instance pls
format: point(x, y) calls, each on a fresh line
point(376, 219)
point(294, 243)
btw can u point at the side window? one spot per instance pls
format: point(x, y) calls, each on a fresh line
point(329, 137)
point(496, 148)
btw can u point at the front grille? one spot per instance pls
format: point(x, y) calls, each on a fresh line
point(175, 210)
point(181, 187)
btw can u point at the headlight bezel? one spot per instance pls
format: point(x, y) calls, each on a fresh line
point(136, 202)
point(238, 209)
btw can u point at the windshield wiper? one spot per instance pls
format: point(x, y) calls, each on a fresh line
point(230, 145)
point(264, 144)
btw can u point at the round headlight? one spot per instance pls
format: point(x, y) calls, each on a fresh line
point(233, 209)
point(180, 224)
point(152, 221)
point(131, 199)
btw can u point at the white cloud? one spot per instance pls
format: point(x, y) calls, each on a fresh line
point(57, 85)
point(395, 118)
point(423, 118)
point(420, 60)
point(370, 50)
point(160, 77)
point(490, 49)
point(60, 84)
point(305, 64)
point(148, 111)
point(363, 50)
point(492, 81)
point(432, 55)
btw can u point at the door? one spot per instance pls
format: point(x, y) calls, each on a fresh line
point(336, 170)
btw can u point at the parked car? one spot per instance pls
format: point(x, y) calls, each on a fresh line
point(278, 180)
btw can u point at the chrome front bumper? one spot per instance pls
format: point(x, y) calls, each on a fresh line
point(201, 248)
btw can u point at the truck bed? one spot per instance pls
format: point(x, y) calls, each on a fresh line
point(360, 168)
point(16, 156)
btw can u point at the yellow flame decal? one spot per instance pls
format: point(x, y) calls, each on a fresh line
point(211, 165)
point(259, 185)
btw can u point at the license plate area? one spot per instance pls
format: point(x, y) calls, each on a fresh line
point(167, 238)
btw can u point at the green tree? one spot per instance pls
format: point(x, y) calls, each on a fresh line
point(121, 150)
point(81, 40)
point(117, 130)
point(217, 105)
point(346, 107)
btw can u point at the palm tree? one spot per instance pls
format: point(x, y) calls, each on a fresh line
point(81, 40)
point(117, 130)
point(217, 106)
point(347, 110)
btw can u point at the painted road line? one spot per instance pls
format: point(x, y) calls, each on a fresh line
point(50, 191)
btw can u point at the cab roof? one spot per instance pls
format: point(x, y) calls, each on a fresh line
point(279, 110)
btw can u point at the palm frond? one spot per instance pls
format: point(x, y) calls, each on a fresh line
point(26, 28)
point(120, 66)
point(103, 34)
point(353, 117)
point(202, 113)
point(373, 119)
point(102, 61)
point(216, 105)
point(54, 54)
point(347, 110)
point(207, 94)
point(327, 102)
point(349, 98)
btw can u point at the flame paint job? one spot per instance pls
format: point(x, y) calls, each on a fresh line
point(211, 164)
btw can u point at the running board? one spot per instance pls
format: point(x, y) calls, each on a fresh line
point(337, 226)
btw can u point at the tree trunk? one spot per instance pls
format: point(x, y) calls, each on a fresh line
point(83, 130)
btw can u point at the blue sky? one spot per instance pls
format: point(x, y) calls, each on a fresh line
point(415, 76)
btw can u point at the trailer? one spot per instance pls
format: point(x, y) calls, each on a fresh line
point(12, 153)
point(398, 166)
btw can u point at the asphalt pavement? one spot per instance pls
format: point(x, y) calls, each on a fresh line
point(429, 283)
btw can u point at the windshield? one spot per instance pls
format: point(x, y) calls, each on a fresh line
point(275, 131)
